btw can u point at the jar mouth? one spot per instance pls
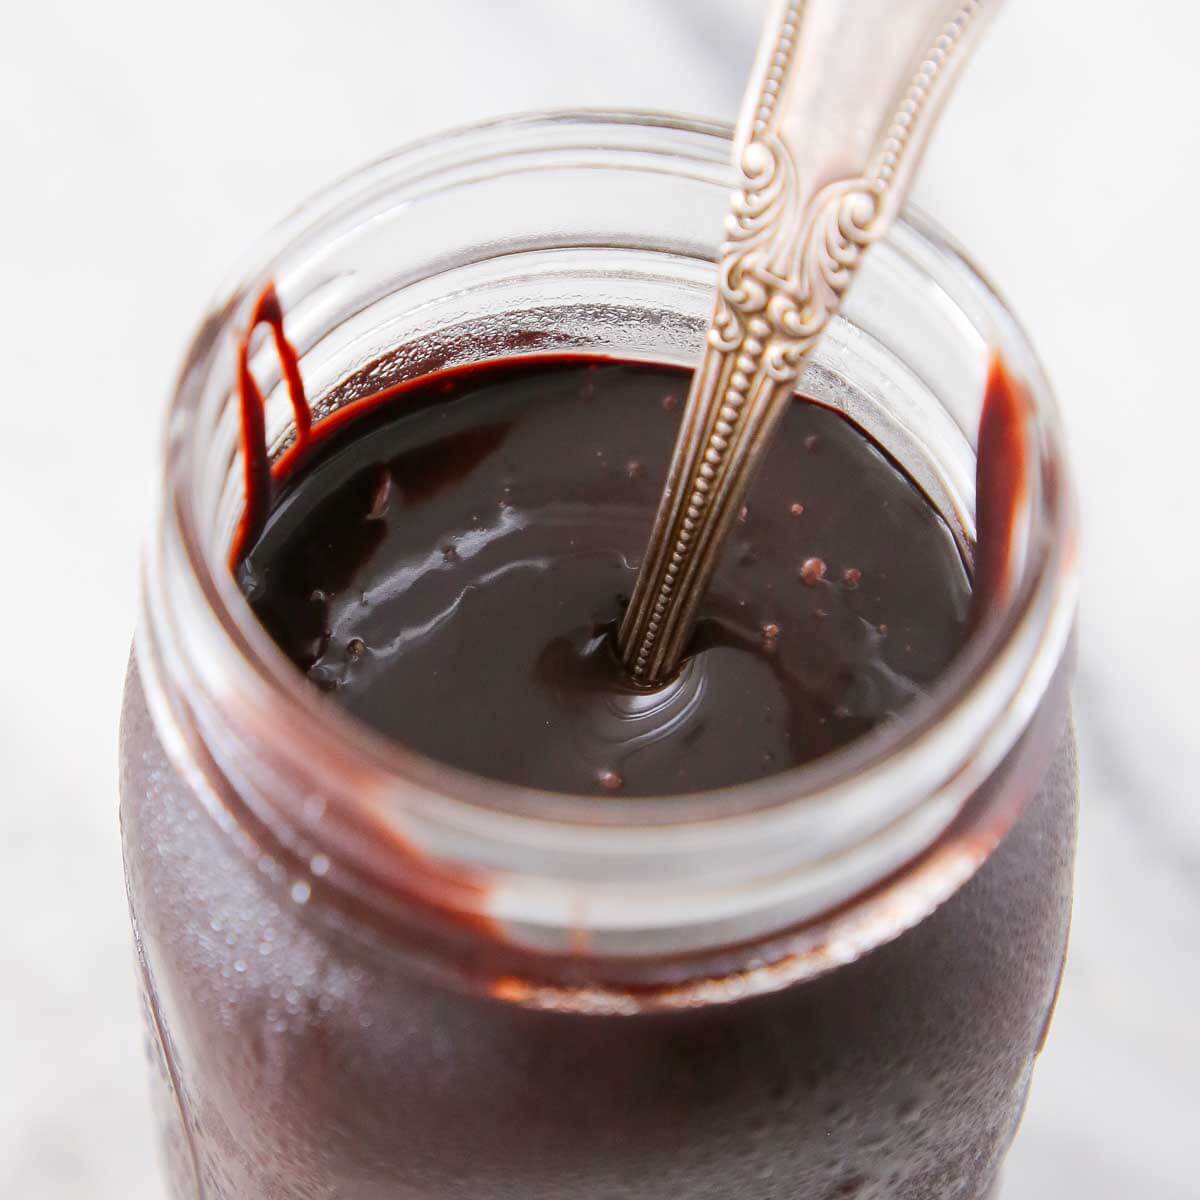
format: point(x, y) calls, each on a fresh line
point(917, 771)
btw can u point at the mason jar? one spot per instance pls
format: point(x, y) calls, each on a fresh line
point(369, 975)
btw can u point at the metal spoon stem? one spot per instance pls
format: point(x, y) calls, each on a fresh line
point(841, 102)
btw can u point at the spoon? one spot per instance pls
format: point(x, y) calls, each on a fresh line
point(841, 102)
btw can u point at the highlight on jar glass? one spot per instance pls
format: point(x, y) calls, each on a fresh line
point(432, 894)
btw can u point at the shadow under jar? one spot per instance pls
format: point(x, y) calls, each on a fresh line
point(368, 975)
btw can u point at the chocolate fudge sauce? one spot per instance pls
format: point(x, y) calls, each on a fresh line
point(450, 564)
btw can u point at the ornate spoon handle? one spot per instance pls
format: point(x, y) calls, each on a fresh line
point(840, 105)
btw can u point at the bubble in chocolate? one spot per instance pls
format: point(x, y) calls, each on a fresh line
point(812, 571)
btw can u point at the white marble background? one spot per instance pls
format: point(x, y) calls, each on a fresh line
point(133, 170)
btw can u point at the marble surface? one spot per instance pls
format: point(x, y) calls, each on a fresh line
point(135, 168)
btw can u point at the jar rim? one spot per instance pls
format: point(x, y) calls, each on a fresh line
point(981, 704)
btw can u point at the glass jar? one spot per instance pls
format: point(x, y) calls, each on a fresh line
point(369, 975)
